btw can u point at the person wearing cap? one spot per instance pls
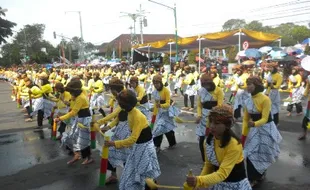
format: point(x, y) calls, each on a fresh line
point(241, 94)
point(142, 162)
point(305, 122)
point(45, 106)
point(216, 78)
point(296, 92)
point(62, 104)
point(141, 76)
point(165, 113)
point(224, 166)
point(78, 138)
point(97, 98)
point(176, 79)
point(149, 86)
point(209, 96)
point(231, 84)
point(116, 86)
point(140, 92)
point(188, 86)
point(273, 83)
point(25, 98)
point(260, 135)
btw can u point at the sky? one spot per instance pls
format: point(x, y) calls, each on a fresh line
point(102, 20)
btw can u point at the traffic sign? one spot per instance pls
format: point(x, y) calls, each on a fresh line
point(245, 45)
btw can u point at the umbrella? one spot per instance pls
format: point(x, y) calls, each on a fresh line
point(305, 63)
point(290, 49)
point(277, 49)
point(301, 56)
point(306, 41)
point(298, 46)
point(248, 62)
point(253, 53)
point(286, 58)
point(265, 49)
point(277, 54)
point(240, 54)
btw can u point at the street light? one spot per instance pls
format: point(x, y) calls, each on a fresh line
point(175, 23)
point(81, 30)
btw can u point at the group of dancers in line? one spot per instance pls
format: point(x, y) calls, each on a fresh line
point(229, 162)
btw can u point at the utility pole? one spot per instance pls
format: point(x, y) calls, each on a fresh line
point(134, 16)
point(143, 22)
point(81, 31)
point(174, 9)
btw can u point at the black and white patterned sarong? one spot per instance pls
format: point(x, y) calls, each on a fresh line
point(241, 185)
point(262, 143)
point(142, 163)
point(117, 157)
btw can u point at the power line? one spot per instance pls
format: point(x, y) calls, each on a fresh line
point(284, 16)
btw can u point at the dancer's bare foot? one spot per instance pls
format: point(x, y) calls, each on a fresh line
point(289, 114)
point(87, 161)
point(75, 158)
point(111, 180)
point(302, 137)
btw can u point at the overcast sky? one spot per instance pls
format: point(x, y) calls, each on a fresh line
point(102, 22)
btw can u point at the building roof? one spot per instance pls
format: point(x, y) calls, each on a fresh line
point(123, 41)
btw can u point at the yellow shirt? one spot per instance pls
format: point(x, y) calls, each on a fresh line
point(98, 86)
point(189, 78)
point(217, 94)
point(140, 93)
point(243, 78)
point(227, 157)
point(164, 95)
point(218, 82)
point(66, 96)
point(298, 79)
point(45, 90)
point(110, 116)
point(136, 122)
point(80, 102)
point(36, 92)
point(263, 105)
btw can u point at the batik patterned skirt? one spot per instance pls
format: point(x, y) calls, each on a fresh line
point(274, 96)
point(262, 146)
point(201, 128)
point(144, 108)
point(117, 157)
point(142, 163)
point(78, 138)
point(48, 107)
point(97, 101)
point(165, 121)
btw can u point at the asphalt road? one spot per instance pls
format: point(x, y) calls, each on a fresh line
point(31, 160)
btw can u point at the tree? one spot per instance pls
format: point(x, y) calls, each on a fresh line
point(5, 28)
point(307, 50)
point(191, 58)
point(29, 42)
point(232, 53)
point(166, 60)
point(255, 25)
point(299, 33)
point(234, 24)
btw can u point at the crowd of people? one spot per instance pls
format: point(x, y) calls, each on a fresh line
point(70, 96)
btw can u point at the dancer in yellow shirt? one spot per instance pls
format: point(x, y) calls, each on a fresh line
point(142, 162)
point(260, 135)
point(224, 167)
